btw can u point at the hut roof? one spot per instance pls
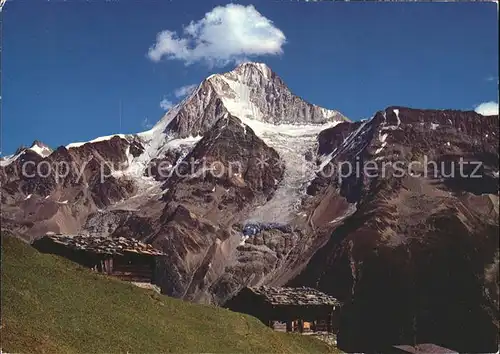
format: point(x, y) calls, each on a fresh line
point(294, 296)
point(425, 348)
point(104, 245)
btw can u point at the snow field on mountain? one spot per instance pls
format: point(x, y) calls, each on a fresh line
point(292, 142)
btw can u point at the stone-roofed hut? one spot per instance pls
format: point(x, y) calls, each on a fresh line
point(125, 258)
point(288, 305)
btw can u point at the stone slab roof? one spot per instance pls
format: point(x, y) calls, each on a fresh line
point(295, 296)
point(104, 245)
point(426, 348)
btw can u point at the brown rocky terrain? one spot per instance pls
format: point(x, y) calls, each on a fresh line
point(414, 263)
point(58, 192)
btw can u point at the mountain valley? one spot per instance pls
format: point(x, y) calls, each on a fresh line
point(418, 249)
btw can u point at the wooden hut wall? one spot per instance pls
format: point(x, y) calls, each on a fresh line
point(159, 261)
point(307, 313)
point(134, 267)
point(246, 301)
point(84, 258)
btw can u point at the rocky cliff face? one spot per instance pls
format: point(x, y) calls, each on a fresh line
point(244, 183)
point(420, 248)
point(57, 191)
point(251, 91)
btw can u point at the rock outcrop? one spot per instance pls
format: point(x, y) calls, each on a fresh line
point(418, 252)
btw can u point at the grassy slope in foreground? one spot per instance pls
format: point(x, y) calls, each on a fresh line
point(52, 305)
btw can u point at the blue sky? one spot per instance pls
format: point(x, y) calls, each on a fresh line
point(68, 66)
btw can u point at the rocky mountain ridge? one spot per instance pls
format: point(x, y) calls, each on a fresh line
point(136, 159)
point(418, 248)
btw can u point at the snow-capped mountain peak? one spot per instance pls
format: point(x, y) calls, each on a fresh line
point(250, 91)
point(255, 68)
point(250, 64)
point(257, 96)
point(40, 148)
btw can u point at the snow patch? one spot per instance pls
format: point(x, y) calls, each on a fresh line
point(7, 160)
point(190, 141)
point(43, 151)
point(292, 142)
point(239, 100)
point(28, 197)
point(244, 126)
point(264, 69)
point(396, 112)
point(350, 142)
point(157, 141)
point(240, 104)
point(379, 150)
point(384, 125)
point(351, 209)
point(244, 238)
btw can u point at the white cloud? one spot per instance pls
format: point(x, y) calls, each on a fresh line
point(165, 104)
point(146, 124)
point(227, 34)
point(184, 90)
point(487, 108)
